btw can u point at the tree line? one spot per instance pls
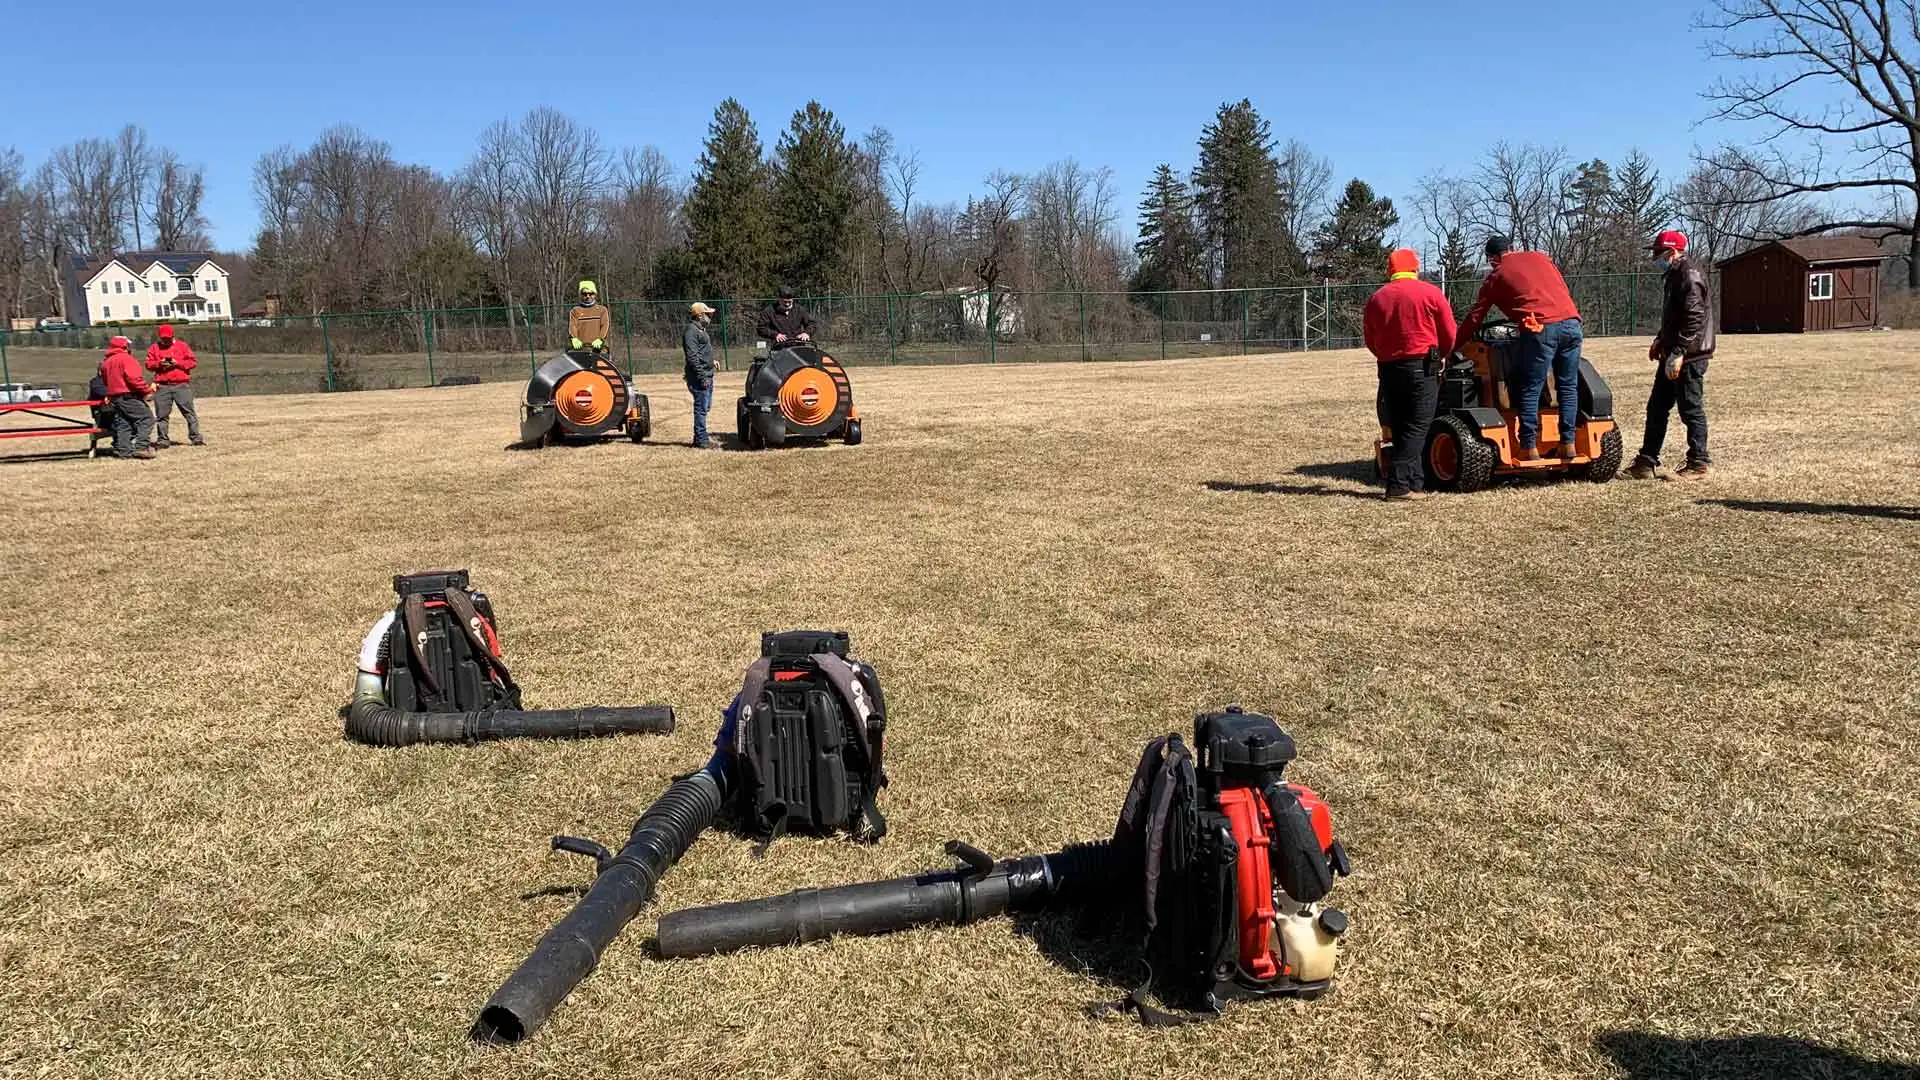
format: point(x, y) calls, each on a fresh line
point(345, 225)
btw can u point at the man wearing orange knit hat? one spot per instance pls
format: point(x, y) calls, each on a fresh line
point(1408, 327)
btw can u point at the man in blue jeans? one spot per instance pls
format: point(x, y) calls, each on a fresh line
point(1528, 287)
point(698, 347)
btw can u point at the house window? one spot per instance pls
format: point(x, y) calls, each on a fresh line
point(106, 312)
point(103, 288)
point(160, 312)
point(136, 311)
point(160, 286)
point(186, 284)
point(213, 284)
point(116, 286)
point(1819, 286)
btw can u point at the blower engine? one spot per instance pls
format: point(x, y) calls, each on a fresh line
point(1217, 869)
point(796, 392)
point(581, 395)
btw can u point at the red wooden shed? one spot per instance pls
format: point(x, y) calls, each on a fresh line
point(1793, 286)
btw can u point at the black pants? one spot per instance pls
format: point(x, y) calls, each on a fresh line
point(1689, 393)
point(1408, 396)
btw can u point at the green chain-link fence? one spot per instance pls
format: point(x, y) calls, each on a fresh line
point(379, 350)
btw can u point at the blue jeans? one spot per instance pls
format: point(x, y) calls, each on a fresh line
point(702, 401)
point(1555, 348)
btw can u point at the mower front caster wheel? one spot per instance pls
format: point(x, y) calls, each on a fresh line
point(853, 433)
point(640, 424)
point(1458, 459)
point(1607, 465)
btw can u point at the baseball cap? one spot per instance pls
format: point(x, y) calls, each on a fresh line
point(1672, 238)
point(118, 342)
point(1499, 244)
point(785, 293)
point(701, 309)
point(166, 330)
point(1403, 261)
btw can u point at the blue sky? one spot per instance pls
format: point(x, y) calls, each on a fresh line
point(1388, 90)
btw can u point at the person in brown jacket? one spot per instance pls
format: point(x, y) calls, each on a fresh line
point(590, 323)
point(1681, 348)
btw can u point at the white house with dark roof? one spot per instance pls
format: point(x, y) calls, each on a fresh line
point(145, 286)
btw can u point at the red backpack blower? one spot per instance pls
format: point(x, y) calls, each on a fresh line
point(1218, 866)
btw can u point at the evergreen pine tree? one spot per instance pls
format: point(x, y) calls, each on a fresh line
point(729, 231)
point(1241, 202)
point(815, 192)
point(1352, 245)
point(1170, 248)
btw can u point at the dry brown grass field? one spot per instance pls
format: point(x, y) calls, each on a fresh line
point(1627, 771)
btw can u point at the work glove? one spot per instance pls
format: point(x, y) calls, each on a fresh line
point(597, 343)
point(1674, 363)
point(576, 342)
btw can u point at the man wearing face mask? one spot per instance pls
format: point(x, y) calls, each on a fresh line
point(1681, 348)
point(784, 323)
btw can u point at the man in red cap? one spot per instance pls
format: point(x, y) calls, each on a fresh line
point(1528, 287)
point(172, 363)
point(1681, 348)
point(128, 395)
point(1408, 327)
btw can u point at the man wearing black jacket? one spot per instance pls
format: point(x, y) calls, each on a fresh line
point(784, 323)
point(1681, 348)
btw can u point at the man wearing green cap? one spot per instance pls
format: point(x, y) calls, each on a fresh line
point(590, 323)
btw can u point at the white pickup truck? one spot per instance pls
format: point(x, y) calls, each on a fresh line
point(19, 393)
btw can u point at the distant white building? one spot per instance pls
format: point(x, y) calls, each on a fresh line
point(149, 286)
point(976, 302)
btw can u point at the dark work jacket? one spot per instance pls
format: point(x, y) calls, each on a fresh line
point(1686, 314)
point(791, 323)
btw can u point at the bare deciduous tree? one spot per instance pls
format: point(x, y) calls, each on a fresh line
point(135, 159)
point(177, 193)
point(1306, 179)
point(1837, 78)
point(1070, 218)
point(1726, 206)
point(989, 229)
point(560, 173)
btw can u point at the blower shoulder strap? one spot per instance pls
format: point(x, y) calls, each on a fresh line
point(472, 623)
point(869, 723)
point(413, 624)
point(759, 673)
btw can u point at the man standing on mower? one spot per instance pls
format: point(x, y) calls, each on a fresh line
point(784, 323)
point(1528, 287)
point(589, 323)
point(172, 362)
point(698, 347)
point(128, 394)
point(1681, 348)
point(1408, 327)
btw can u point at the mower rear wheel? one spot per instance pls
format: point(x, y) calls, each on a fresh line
point(1458, 459)
point(853, 433)
point(1607, 465)
point(740, 422)
point(640, 425)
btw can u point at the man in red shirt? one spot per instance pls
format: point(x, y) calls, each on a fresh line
point(128, 395)
point(172, 362)
point(1408, 327)
point(1528, 287)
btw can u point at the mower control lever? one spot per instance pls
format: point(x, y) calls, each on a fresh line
point(979, 862)
point(579, 845)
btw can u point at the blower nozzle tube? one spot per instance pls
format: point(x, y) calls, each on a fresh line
point(978, 890)
point(371, 721)
point(572, 948)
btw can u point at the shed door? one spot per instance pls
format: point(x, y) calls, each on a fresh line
point(1853, 289)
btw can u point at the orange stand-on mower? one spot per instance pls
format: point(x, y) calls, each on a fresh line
point(578, 396)
point(1476, 429)
point(796, 392)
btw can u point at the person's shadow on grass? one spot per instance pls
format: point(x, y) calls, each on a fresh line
point(1363, 471)
point(1895, 513)
point(1236, 487)
point(1645, 1056)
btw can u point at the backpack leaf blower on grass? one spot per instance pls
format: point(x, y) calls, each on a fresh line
point(431, 671)
point(1217, 864)
point(799, 751)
